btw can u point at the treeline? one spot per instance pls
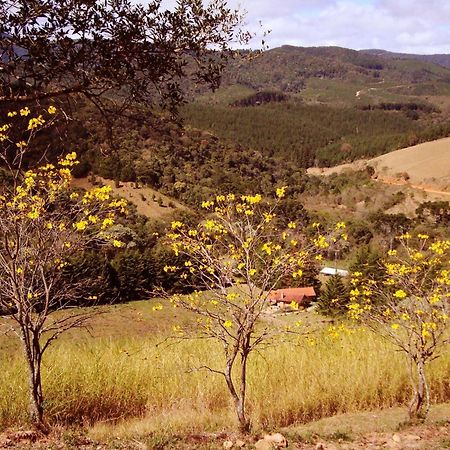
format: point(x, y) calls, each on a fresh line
point(310, 135)
point(135, 271)
point(398, 106)
point(261, 98)
point(412, 110)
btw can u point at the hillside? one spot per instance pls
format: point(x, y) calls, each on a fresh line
point(315, 135)
point(148, 202)
point(333, 75)
point(323, 106)
point(425, 166)
point(441, 59)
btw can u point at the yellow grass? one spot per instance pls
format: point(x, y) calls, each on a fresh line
point(113, 378)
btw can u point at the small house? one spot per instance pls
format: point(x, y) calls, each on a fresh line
point(302, 296)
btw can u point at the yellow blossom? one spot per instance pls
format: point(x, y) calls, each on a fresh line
point(400, 293)
point(207, 205)
point(281, 191)
point(35, 122)
point(81, 225)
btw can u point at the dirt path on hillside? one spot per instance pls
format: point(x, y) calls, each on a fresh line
point(429, 190)
point(368, 90)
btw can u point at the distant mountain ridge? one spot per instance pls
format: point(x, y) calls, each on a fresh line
point(442, 59)
point(289, 69)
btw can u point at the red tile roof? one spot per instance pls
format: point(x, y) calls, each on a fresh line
point(298, 295)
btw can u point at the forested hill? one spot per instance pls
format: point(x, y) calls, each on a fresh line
point(289, 68)
point(322, 106)
point(441, 59)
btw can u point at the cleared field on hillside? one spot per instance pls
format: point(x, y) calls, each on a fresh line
point(424, 166)
point(148, 202)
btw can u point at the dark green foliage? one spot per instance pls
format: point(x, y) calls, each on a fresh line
point(390, 226)
point(103, 283)
point(408, 106)
point(261, 98)
point(438, 212)
point(132, 53)
point(135, 273)
point(310, 277)
point(291, 209)
point(6, 177)
point(334, 298)
point(395, 199)
point(359, 232)
point(186, 164)
point(131, 273)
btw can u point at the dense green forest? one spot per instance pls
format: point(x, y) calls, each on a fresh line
point(322, 106)
point(314, 135)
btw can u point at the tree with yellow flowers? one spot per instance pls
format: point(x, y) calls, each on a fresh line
point(409, 306)
point(43, 225)
point(237, 255)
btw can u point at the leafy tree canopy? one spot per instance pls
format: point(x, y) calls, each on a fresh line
point(131, 52)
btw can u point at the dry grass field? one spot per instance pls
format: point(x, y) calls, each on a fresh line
point(121, 380)
point(424, 167)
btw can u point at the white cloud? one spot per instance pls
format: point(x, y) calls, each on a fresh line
point(397, 25)
point(412, 26)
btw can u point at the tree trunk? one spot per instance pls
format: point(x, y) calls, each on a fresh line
point(238, 398)
point(420, 403)
point(33, 355)
point(244, 423)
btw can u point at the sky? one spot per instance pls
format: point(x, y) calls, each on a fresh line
point(409, 26)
